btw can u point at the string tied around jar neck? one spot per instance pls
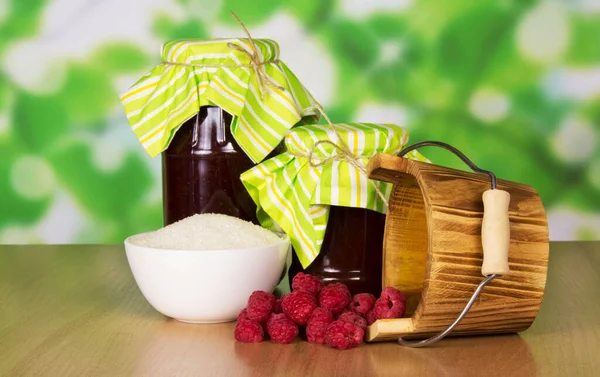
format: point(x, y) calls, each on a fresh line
point(344, 153)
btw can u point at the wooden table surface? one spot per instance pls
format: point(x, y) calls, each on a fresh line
point(76, 311)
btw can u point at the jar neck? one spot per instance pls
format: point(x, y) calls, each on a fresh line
point(211, 132)
point(206, 133)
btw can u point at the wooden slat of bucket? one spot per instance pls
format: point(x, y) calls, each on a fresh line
point(407, 229)
point(432, 250)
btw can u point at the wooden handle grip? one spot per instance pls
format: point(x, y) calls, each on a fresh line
point(495, 232)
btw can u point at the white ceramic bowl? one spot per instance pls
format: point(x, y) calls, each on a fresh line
point(208, 286)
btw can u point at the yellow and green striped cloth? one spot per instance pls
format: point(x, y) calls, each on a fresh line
point(294, 196)
point(210, 72)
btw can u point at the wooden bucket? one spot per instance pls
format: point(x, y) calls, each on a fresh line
point(433, 252)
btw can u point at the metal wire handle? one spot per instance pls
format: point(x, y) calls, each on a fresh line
point(458, 153)
point(475, 168)
point(440, 336)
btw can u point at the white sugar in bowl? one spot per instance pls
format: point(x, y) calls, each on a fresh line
point(205, 286)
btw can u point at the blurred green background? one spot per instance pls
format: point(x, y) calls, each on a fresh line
point(515, 84)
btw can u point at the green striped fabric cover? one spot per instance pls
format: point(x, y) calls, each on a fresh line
point(294, 196)
point(158, 103)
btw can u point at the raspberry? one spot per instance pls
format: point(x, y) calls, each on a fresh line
point(260, 305)
point(334, 297)
point(317, 324)
point(249, 331)
point(298, 306)
point(281, 329)
point(391, 304)
point(343, 335)
point(371, 318)
point(321, 315)
point(307, 283)
point(361, 303)
point(353, 318)
point(243, 316)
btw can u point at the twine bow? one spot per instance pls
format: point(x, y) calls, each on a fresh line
point(256, 63)
point(344, 153)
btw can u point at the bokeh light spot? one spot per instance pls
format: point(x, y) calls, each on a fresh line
point(489, 105)
point(575, 140)
point(543, 34)
point(32, 178)
point(381, 113)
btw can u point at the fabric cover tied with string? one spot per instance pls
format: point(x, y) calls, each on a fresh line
point(244, 76)
point(294, 193)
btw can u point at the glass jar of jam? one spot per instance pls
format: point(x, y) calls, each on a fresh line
point(201, 170)
point(352, 251)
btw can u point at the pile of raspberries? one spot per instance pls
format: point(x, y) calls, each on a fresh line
point(329, 314)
